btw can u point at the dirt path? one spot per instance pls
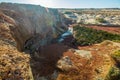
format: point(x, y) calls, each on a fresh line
point(115, 30)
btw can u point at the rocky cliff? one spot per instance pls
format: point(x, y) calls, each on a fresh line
point(32, 23)
point(26, 28)
point(33, 29)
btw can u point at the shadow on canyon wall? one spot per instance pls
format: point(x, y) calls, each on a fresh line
point(32, 29)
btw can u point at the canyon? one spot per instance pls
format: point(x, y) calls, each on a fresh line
point(36, 44)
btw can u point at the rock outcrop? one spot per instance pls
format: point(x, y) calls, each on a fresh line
point(93, 62)
point(13, 64)
point(28, 28)
point(65, 64)
point(32, 23)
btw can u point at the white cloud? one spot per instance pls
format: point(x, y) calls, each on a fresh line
point(46, 3)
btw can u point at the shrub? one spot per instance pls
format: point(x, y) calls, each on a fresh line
point(101, 20)
point(114, 74)
point(88, 36)
point(116, 57)
point(116, 54)
point(68, 12)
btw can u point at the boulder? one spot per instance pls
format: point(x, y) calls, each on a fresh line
point(83, 53)
point(65, 64)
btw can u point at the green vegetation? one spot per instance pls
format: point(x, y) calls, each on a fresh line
point(114, 74)
point(116, 54)
point(116, 57)
point(67, 12)
point(88, 36)
point(117, 41)
point(101, 20)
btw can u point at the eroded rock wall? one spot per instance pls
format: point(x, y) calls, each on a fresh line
point(27, 22)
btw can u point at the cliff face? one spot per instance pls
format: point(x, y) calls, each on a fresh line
point(32, 28)
point(32, 23)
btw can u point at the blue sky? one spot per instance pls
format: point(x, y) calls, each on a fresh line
point(71, 3)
